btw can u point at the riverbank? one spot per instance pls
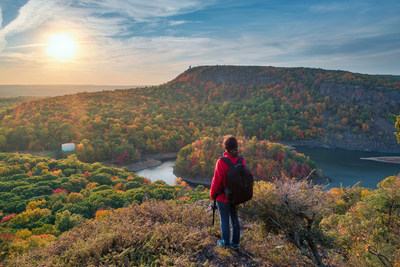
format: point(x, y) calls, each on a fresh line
point(147, 162)
point(339, 145)
point(195, 181)
point(384, 159)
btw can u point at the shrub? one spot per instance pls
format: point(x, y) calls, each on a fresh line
point(152, 234)
point(368, 233)
point(294, 209)
point(65, 220)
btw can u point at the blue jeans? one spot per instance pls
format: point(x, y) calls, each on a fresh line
point(228, 210)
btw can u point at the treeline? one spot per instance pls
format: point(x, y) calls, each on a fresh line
point(40, 198)
point(9, 102)
point(266, 160)
point(270, 103)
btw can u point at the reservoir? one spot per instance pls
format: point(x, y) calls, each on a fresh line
point(345, 166)
point(342, 167)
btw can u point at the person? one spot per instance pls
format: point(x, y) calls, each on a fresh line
point(227, 210)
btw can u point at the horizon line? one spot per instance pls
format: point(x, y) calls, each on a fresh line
point(72, 84)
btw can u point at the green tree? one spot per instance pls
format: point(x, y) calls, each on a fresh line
point(65, 220)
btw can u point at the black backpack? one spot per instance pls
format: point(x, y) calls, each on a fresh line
point(239, 182)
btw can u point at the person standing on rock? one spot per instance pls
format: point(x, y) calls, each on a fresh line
point(227, 209)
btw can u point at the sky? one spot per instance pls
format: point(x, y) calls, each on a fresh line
point(150, 42)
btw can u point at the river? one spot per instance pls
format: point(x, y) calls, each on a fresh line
point(162, 172)
point(340, 166)
point(345, 166)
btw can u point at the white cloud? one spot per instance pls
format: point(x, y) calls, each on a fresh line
point(102, 27)
point(3, 42)
point(177, 22)
point(32, 14)
point(164, 51)
point(89, 19)
point(143, 10)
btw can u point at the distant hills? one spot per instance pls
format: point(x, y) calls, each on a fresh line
point(9, 102)
point(397, 77)
point(311, 106)
point(15, 90)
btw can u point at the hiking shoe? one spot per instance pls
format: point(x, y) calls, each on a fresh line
point(235, 246)
point(221, 243)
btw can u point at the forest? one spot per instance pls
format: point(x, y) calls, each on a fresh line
point(49, 206)
point(63, 212)
point(334, 108)
point(40, 198)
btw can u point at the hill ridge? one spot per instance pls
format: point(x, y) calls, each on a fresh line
point(329, 108)
point(215, 68)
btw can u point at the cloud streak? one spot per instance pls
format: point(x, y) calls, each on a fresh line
point(104, 18)
point(2, 40)
point(33, 14)
point(143, 10)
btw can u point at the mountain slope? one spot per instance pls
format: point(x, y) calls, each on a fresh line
point(333, 108)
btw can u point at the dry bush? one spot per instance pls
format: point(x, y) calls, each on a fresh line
point(293, 209)
point(272, 249)
point(153, 233)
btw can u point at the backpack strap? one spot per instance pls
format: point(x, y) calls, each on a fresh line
point(240, 160)
point(227, 161)
point(230, 163)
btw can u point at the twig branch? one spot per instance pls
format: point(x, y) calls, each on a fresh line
point(381, 257)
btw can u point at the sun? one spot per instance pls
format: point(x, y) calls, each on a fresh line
point(61, 46)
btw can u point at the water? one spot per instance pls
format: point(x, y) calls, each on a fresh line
point(341, 166)
point(163, 172)
point(345, 166)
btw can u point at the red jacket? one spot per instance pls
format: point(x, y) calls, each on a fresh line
point(219, 179)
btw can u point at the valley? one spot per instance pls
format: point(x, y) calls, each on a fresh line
point(325, 120)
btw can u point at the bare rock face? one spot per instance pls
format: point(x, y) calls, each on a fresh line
point(378, 97)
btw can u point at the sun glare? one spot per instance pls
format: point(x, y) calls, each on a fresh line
point(61, 46)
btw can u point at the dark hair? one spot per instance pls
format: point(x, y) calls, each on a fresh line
point(231, 145)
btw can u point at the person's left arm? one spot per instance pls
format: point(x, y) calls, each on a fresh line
point(216, 183)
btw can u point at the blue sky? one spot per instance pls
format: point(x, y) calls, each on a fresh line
point(129, 42)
